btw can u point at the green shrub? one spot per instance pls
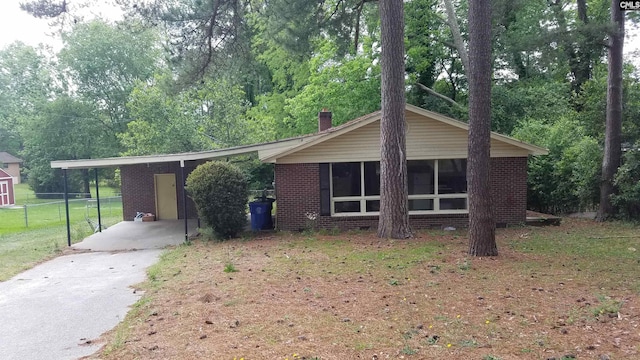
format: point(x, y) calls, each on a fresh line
point(627, 181)
point(220, 193)
point(566, 180)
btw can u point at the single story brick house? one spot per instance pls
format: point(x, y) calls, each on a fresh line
point(11, 165)
point(335, 174)
point(7, 197)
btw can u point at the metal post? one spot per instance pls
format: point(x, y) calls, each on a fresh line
point(184, 202)
point(66, 205)
point(98, 201)
point(26, 216)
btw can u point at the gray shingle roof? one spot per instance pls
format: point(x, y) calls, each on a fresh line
point(7, 158)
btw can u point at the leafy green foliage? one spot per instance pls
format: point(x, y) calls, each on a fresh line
point(627, 181)
point(330, 80)
point(219, 191)
point(65, 130)
point(25, 84)
point(230, 268)
point(566, 180)
point(104, 62)
point(207, 116)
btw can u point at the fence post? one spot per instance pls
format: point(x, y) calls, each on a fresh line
point(59, 212)
point(26, 216)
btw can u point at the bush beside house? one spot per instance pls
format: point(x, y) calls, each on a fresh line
point(220, 192)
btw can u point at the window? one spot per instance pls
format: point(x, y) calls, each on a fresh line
point(4, 165)
point(435, 186)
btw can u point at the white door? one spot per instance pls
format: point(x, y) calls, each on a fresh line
point(4, 193)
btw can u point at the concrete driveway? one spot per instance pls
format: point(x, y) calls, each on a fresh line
point(52, 310)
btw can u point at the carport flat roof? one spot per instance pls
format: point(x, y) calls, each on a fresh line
point(201, 155)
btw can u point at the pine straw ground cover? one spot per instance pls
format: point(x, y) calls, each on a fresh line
point(557, 292)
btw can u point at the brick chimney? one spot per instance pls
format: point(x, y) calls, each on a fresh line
point(324, 120)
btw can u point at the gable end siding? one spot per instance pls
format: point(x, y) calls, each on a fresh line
point(426, 139)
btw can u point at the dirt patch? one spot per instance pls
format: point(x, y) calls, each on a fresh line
point(551, 293)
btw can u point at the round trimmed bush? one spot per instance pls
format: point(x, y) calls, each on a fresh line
point(220, 192)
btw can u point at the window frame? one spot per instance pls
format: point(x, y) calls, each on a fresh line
point(363, 198)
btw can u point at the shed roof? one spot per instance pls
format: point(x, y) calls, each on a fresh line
point(7, 158)
point(5, 175)
point(163, 158)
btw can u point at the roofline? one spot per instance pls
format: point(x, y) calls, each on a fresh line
point(327, 134)
point(16, 160)
point(288, 146)
point(6, 173)
point(151, 159)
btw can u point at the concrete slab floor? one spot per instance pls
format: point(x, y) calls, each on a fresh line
point(50, 311)
point(131, 235)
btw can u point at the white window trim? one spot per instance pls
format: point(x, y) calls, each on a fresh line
point(363, 199)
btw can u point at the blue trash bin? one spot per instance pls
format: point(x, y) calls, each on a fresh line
point(261, 215)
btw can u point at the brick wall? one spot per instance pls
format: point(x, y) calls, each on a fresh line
point(509, 190)
point(138, 192)
point(298, 192)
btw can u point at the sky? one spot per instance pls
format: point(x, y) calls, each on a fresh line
point(16, 24)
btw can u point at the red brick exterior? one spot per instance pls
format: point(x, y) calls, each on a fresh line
point(509, 190)
point(298, 192)
point(138, 191)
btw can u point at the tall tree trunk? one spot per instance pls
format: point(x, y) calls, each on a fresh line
point(455, 32)
point(482, 233)
point(613, 130)
point(394, 214)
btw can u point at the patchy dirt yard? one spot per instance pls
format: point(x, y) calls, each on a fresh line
point(564, 292)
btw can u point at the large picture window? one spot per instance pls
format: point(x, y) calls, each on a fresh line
point(435, 186)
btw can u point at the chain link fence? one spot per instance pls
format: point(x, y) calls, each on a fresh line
point(49, 210)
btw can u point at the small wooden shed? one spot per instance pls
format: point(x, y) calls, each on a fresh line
point(7, 197)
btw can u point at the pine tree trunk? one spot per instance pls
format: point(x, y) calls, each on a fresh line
point(613, 129)
point(394, 214)
point(482, 239)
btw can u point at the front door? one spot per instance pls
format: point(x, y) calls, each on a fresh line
point(4, 193)
point(166, 197)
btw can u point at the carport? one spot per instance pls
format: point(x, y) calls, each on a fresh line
point(131, 235)
point(156, 183)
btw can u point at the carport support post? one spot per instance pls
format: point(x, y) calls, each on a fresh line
point(98, 201)
point(184, 202)
point(66, 206)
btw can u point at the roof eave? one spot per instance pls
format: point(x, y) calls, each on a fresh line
point(152, 159)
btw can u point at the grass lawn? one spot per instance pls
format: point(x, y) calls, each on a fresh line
point(564, 292)
point(47, 213)
point(22, 247)
point(22, 250)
